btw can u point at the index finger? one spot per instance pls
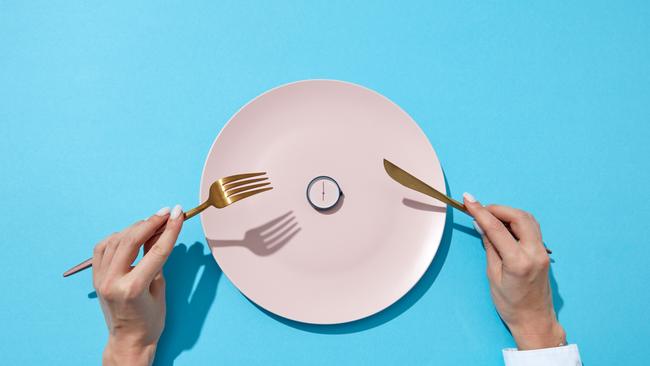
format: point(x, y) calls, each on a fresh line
point(133, 238)
point(523, 225)
point(152, 262)
point(494, 229)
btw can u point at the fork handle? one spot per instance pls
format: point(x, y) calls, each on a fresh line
point(79, 267)
point(89, 262)
point(196, 210)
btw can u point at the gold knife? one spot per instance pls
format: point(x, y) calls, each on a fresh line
point(409, 181)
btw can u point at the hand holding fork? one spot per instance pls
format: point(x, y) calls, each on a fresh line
point(223, 192)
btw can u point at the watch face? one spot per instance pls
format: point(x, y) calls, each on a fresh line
point(323, 193)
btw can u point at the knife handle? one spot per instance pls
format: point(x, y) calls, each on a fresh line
point(456, 204)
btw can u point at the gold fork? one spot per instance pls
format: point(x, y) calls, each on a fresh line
point(223, 192)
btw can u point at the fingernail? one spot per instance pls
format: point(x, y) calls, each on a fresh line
point(469, 197)
point(163, 211)
point(478, 228)
point(176, 212)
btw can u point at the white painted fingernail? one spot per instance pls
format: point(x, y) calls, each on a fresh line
point(478, 228)
point(469, 197)
point(163, 211)
point(176, 212)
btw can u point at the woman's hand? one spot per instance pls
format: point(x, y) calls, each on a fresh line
point(517, 268)
point(133, 298)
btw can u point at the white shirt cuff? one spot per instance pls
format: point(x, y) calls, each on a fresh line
point(556, 356)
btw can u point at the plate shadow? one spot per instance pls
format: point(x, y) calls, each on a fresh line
point(401, 305)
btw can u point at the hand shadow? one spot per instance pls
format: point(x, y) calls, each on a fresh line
point(558, 301)
point(186, 309)
point(265, 239)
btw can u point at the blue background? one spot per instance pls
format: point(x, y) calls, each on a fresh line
point(108, 109)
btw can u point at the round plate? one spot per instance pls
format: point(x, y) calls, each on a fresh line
point(335, 266)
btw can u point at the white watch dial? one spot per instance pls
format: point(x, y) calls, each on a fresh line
point(323, 193)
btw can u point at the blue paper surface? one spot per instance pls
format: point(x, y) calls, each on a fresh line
point(108, 109)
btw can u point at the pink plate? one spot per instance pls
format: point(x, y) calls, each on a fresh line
point(324, 267)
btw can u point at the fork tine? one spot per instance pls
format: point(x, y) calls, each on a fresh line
point(269, 225)
point(247, 194)
point(271, 233)
point(239, 183)
point(233, 178)
point(283, 233)
point(234, 191)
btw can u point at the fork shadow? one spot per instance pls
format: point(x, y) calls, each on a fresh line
point(267, 238)
point(186, 309)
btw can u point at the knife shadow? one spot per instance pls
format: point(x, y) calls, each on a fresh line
point(422, 206)
point(265, 239)
point(432, 208)
point(397, 308)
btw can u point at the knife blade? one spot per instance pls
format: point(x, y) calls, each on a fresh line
point(407, 180)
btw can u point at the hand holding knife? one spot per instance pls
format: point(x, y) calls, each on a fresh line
point(407, 180)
